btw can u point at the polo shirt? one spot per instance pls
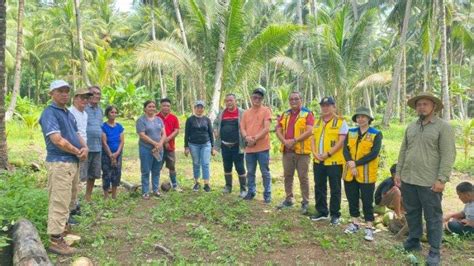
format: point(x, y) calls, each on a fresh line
point(55, 119)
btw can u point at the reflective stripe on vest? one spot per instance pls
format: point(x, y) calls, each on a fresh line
point(328, 134)
point(366, 173)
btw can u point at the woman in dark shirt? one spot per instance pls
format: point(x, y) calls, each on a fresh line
point(361, 151)
point(199, 141)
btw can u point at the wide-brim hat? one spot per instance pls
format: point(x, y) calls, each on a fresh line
point(426, 95)
point(362, 110)
point(83, 92)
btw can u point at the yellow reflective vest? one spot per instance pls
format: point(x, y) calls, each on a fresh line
point(366, 173)
point(301, 147)
point(328, 133)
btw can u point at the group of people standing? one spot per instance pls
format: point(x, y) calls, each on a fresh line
point(80, 137)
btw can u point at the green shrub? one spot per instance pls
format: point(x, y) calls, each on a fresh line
point(20, 197)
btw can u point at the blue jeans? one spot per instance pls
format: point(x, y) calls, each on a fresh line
point(263, 159)
point(148, 163)
point(201, 155)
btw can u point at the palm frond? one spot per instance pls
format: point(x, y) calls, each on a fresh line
point(288, 63)
point(265, 45)
point(235, 28)
point(167, 53)
point(376, 79)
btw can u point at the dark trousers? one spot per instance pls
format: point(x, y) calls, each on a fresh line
point(365, 192)
point(321, 175)
point(459, 228)
point(231, 157)
point(418, 200)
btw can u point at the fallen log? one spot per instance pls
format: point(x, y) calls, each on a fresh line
point(27, 246)
point(165, 250)
point(129, 186)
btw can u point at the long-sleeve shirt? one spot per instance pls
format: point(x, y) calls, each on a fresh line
point(427, 153)
point(198, 130)
point(374, 152)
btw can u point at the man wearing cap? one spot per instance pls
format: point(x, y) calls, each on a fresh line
point(255, 129)
point(65, 148)
point(79, 103)
point(294, 130)
point(361, 151)
point(94, 140)
point(329, 132)
point(230, 142)
point(172, 130)
point(424, 166)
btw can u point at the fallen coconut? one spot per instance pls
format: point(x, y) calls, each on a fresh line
point(82, 261)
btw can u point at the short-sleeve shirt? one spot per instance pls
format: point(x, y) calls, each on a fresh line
point(113, 135)
point(290, 131)
point(253, 121)
point(55, 119)
point(152, 129)
point(81, 120)
point(94, 128)
point(171, 124)
point(469, 211)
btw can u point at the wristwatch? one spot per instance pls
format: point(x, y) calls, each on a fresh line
point(329, 155)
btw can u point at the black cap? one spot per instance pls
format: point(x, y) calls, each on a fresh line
point(327, 100)
point(260, 91)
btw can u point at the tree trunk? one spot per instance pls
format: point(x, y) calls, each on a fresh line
point(444, 63)
point(3, 138)
point(162, 83)
point(219, 72)
point(80, 40)
point(403, 88)
point(397, 68)
point(153, 30)
point(18, 57)
point(27, 246)
point(180, 22)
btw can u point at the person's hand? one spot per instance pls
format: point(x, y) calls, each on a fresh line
point(354, 171)
point(437, 187)
point(213, 152)
point(83, 154)
point(446, 218)
point(186, 152)
point(318, 157)
point(113, 161)
point(351, 164)
point(323, 156)
point(251, 141)
point(467, 222)
point(167, 146)
point(397, 180)
point(159, 145)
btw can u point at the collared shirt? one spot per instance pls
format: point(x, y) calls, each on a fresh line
point(290, 131)
point(94, 128)
point(81, 121)
point(55, 119)
point(253, 121)
point(427, 153)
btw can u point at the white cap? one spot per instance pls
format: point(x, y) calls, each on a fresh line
point(56, 84)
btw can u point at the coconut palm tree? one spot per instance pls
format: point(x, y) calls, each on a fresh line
point(3, 138)
point(18, 59)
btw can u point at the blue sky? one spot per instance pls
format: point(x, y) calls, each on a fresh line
point(123, 5)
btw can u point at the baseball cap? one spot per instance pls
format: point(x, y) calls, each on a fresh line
point(58, 84)
point(327, 100)
point(199, 102)
point(260, 91)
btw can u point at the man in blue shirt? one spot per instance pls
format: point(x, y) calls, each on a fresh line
point(94, 140)
point(65, 148)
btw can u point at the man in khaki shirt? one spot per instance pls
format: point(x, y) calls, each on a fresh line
point(424, 165)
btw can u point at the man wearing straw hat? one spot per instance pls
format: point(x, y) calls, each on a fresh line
point(424, 166)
